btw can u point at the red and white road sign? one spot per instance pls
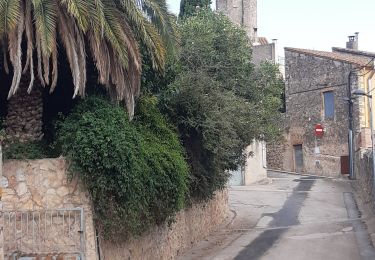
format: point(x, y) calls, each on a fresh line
point(319, 130)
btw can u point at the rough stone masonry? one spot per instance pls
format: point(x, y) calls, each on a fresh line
point(241, 12)
point(37, 188)
point(308, 75)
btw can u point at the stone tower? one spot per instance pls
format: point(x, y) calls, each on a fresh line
point(241, 12)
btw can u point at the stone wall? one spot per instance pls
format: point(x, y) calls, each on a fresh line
point(275, 155)
point(264, 52)
point(190, 226)
point(364, 176)
point(41, 186)
point(36, 188)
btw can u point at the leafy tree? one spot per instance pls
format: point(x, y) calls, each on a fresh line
point(109, 30)
point(189, 7)
point(220, 101)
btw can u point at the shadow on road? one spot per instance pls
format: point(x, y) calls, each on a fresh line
point(286, 216)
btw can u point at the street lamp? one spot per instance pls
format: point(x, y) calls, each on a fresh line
point(360, 92)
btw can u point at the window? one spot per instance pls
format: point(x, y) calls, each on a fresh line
point(329, 105)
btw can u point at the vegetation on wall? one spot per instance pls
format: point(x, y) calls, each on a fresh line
point(219, 101)
point(135, 171)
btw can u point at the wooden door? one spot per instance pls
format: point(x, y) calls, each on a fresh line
point(344, 164)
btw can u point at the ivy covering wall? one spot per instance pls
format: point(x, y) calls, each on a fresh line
point(135, 171)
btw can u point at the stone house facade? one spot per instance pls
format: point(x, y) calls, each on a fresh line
point(318, 91)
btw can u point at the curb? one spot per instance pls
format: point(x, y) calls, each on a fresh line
point(306, 174)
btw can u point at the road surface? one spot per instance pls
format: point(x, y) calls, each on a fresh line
point(291, 217)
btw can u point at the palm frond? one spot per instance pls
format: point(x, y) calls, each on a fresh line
point(45, 17)
point(9, 15)
point(113, 30)
point(79, 9)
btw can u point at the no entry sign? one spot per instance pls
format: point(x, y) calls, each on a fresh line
point(319, 130)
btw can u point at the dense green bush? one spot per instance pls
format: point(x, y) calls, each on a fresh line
point(220, 101)
point(135, 171)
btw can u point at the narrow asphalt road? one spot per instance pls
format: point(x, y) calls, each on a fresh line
point(291, 217)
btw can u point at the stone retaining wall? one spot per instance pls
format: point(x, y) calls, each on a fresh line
point(364, 176)
point(42, 185)
point(191, 225)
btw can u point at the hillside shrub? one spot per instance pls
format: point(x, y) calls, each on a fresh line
point(135, 171)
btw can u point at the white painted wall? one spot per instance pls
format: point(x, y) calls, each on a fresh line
point(256, 164)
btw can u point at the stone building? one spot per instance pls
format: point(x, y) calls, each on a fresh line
point(244, 13)
point(241, 12)
point(318, 91)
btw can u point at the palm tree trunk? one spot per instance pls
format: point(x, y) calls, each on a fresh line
point(23, 122)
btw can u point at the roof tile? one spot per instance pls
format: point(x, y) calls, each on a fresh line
point(343, 57)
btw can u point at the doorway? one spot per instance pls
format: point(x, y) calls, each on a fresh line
point(344, 160)
point(298, 158)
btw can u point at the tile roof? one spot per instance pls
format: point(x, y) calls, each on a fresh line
point(343, 57)
point(355, 52)
point(262, 40)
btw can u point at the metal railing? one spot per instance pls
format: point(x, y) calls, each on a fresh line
point(59, 231)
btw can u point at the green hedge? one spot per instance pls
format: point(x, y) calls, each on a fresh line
point(135, 171)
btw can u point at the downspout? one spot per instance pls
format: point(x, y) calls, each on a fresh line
point(369, 84)
point(350, 132)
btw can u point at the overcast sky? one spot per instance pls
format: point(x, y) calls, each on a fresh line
point(314, 24)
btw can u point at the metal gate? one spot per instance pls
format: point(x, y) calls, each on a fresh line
point(44, 232)
point(236, 177)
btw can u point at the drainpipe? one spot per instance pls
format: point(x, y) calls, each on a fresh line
point(369, 84)
point(350, 132)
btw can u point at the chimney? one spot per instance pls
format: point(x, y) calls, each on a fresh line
point(353, 42)
point(255, 32)
point(274, 50)
point(254, 38)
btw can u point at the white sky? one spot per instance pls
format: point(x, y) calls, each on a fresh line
point(313, 24)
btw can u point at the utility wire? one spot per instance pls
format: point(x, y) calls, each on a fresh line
point(315, 89)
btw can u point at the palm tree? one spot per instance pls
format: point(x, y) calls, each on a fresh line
point(110, 30)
